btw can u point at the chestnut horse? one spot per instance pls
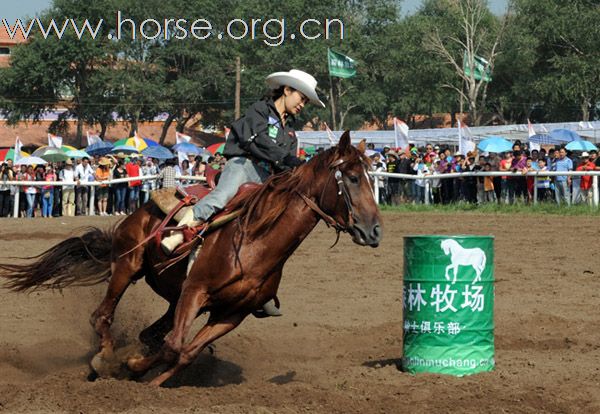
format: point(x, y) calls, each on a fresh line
point(238, 268)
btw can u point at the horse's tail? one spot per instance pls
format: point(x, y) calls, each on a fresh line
point(78, 261)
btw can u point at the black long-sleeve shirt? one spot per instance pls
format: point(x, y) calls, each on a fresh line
point(260, 133)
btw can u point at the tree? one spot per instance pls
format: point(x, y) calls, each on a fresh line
point(477, 37)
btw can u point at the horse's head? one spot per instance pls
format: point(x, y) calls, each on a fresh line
point(347, 193)
point(446, 246)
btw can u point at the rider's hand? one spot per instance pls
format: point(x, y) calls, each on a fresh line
point(292, 161)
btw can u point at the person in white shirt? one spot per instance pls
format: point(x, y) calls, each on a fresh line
point(67, 175)
point(83, 174)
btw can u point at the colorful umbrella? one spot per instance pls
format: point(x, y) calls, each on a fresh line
point(187, 148)
point(139, 143)
point(52, 154)
point(214, 148)
point(9, 154)
point(127, 149)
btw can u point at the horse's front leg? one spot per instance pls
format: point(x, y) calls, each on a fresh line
point(216, 327)
point(121, 276)
point(189, 304)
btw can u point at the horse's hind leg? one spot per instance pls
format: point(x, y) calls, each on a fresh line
point(215, 328)
point(122, 274)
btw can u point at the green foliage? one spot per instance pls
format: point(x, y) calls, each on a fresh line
point(548, 60)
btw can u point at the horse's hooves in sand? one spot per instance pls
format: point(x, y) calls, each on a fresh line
point(105, 365)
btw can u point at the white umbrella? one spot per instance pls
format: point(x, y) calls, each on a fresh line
point(31, 160)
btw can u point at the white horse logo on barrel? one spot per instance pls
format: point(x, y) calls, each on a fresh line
point(459, 256)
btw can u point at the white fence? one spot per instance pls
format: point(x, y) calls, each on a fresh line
point(91, 184)
point(535, 174)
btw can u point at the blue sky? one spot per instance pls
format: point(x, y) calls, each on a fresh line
point(14, 9)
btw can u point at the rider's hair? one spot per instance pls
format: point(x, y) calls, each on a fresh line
point(274, 93)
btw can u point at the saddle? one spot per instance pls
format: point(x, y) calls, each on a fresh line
point(174, 202)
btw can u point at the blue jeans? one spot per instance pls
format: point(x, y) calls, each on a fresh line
point(120, 199)
point(237, 171)
point(47, 202)
point(30, 204)
point(562, 192)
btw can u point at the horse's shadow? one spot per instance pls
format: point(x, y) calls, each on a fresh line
point(207, 371)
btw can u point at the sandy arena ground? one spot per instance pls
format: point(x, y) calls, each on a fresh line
point(337, 347)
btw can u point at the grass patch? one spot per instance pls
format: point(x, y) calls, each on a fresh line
point(491, 208)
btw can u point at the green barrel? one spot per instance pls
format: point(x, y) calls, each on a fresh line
point(448, 303)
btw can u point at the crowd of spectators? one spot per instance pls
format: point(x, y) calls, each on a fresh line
point(72, 199)
point(433, 160)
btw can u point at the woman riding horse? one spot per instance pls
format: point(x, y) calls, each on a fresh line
point(260, 143)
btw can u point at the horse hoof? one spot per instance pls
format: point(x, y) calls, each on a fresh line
point(105, 365)
point(136, 364)
point(92, 376)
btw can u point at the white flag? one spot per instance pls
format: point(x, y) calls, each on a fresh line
point(54, 141)
point(530, 129)
point(93, 139)
point(465, 139)
point(18, 146)
point(330, 135)
point(137, 140)
point(180, 138)
point(400, 133)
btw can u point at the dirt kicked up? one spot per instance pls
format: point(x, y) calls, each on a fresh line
point(337, 347)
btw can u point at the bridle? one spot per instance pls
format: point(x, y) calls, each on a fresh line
point(334, 171)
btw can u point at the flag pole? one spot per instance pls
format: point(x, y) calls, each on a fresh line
point(331, 96)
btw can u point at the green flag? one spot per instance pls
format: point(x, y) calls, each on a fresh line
point(340, 65)
point(481, 68)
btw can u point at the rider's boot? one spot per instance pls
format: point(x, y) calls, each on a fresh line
point(170, 243)
point(269, 309)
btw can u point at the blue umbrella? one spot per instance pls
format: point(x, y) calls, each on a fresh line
point(99, 148)
point(564, 135)
point(495, 144)
point(127, 149)
point(581, 146)
point(188, 148)
point(157, 151)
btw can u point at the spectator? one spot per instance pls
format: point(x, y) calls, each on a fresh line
point(562, 182)
point(120, 189)
point(30, 191)
point(134, 170)
point(67, 175)
point(40, 174)
point(505, 166)
point(518, 184)
point(6, 174)
point(102, 175)
point(584, 193)
point(422, 170)
point(488, 185)
point(393, 190)
point(405, 166)
point(167, 175)
point(377, 166)
point(543, 183)
point(83, 174)
point(48, 192)
point(21, 176)
point(149, 185)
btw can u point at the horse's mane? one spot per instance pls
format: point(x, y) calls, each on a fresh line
point(261, 209)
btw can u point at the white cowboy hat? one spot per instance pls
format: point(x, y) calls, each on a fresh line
point(298, 80)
